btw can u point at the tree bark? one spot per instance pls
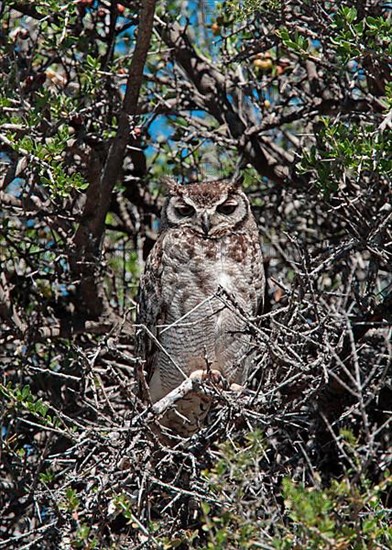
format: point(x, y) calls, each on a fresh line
point(88, 238)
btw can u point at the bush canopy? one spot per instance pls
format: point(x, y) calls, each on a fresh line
point(98, 100)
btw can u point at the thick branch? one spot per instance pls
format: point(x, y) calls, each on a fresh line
point(89, 234)
point(117, 149)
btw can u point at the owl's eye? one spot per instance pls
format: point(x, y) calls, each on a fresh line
point(227, 208)
point(184, 210)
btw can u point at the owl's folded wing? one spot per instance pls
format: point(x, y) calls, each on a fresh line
point(150, 310)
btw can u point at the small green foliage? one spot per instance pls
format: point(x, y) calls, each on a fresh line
point(47, 157)
point(92, 62)
point(71, 499)
point(225, 525)
point(124, 505)
point(355, 38)
point(47, 476)
point(82, 538)
point(346, 150)
point(295, 42)
point(236, 459)
point(226, 530)
point(246, 8)
point(310, 511)
point(21, 399)
point(347, 513)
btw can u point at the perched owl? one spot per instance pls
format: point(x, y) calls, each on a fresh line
point(208, 239)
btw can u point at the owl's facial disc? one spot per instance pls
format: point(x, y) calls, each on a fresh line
point(212, 220)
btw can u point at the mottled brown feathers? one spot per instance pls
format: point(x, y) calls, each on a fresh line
point(209, 239)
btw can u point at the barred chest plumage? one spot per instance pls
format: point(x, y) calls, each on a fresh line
point(194, 268)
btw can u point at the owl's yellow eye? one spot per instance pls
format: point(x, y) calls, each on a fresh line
point(184, 210)
point(227, 208)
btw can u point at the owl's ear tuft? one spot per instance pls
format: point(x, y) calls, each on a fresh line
point(172, 187)
point(236, 182)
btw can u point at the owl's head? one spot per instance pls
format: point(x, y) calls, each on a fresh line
point(209, 209)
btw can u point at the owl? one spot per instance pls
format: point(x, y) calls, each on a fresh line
point(208, 241)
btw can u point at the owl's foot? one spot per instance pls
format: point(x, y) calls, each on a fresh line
point(211, 375)
point(236, 388)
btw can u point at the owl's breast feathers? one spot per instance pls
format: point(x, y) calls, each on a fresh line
point(196, 267)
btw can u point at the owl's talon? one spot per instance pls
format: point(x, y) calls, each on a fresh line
point(236, 387)
point(212, 375)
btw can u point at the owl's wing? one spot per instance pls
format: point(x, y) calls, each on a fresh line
point(260, 277)
point(150, 309)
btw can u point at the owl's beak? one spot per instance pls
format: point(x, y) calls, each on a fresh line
point(205, 223)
